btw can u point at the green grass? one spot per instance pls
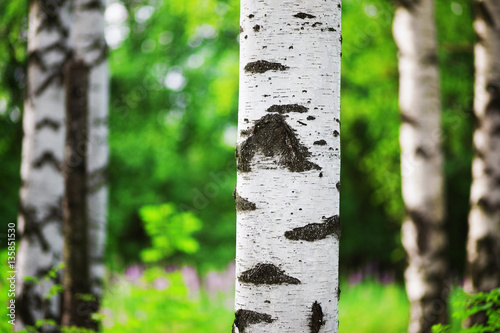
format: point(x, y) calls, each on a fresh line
point(372, 307)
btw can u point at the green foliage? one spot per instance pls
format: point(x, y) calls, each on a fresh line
point(467, 305)
point(143, 307)
point(170, 231)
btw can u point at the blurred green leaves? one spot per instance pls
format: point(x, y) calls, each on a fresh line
point(170, 231)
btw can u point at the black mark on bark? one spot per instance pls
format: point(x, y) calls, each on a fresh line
point(244, 318)
point(256, 28)
point(47, 158)
point(97, 179)
point(251, 16)
point(493, 106)
point(302, 123)
point(243, 204)
point(262, 66)
point(422, 152)
point(408, 120)
point(267, 274)
point(488, 264)
point(50, 123)
point(336, 133)
point(311, 117)
point(316, 320)
point(338, 186)
point(484, 13)
point(287, 108)
point(304, 16)
point(423, 224)
point(93, 5)
point(273, 137)
point(320, 143)
point(316, 231)
point(408, 4)
point(488, 205)
point(315, 24)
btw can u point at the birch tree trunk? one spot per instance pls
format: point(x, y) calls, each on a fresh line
point(89, 46)
point(288, 157)
point(483, 246)
point(86, 162)
point(423, 233)
point(40, 229)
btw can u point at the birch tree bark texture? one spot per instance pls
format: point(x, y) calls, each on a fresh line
point(89, 47)
point(288, 161)
point(40, 220)
point(483, 245)
point(423, 233)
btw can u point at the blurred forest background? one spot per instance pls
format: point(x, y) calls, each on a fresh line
point(173, 115)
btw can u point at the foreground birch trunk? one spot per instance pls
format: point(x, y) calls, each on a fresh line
point(40, 220)
point(483, 246)
point(288, 155)
point(423, 233)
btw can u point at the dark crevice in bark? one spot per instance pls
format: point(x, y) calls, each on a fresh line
point(338, 186)
point(316, 320)
point(304, 16)
point(287, 108)
point(316, 231)
point(243, 204)
point(50, 123)
point(484, 14)
point(488, 264)
point(76, 310)
point(244, 318)
point(47, 158)
point(266, 274)
point(262, 66)
point(273, 137)
point(320, 143)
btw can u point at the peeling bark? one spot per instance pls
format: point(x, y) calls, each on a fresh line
point(287, 252)
point(483, 244)
point(422, 233)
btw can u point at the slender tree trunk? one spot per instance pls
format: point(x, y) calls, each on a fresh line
point(288, 154)
point(483, 246)
point(423, 232)
point(40, 221)
point(88, 44)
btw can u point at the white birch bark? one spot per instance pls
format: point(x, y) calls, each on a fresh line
point(88, 44)
point(483, 246)
point(39, 224)
point(288, 153)
point(423, 234)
